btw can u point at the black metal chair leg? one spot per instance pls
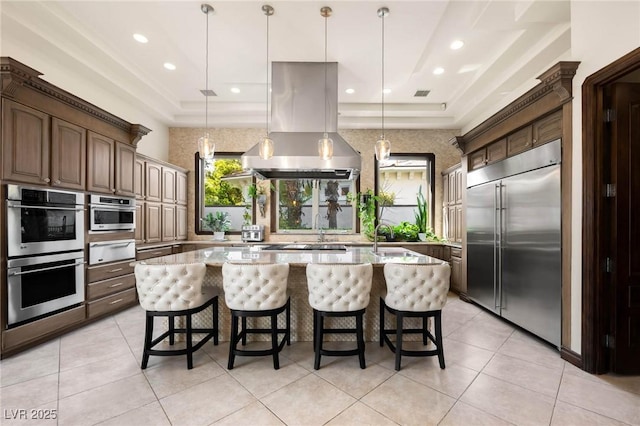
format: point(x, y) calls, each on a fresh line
point(425, 328)
point(233, 341)
point(274, 341)
point(216, 324)
point(244, 330)
point(172, 326)
point(438, 331)
point(382, 305)
point(360, 337)
point(399, 321)
point(189, 344)
point(319, 337)
point(148, 335)
point(288, 324)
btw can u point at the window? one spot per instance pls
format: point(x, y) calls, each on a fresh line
point(221, 186)
point(398, 182)
point(311, 205)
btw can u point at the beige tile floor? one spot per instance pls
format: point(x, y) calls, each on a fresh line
point(495, 375)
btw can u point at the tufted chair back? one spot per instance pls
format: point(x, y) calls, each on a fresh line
point(255, 287)
point(170, 287)
point(339, 287)
point(417, 288)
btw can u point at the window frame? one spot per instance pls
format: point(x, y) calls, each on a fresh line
point(431, 174)
point(199, 195)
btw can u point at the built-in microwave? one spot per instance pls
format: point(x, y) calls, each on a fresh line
point(111, 213)
point(41, 220)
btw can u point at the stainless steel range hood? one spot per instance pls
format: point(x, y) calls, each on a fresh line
point(298, 121)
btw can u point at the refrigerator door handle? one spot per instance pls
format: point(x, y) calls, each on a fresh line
point(503, 232)
point(496, 244)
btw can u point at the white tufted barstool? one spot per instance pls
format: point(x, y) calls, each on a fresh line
point(173, 291)
point(338, 290)
point(257, 290)
point(415, 291)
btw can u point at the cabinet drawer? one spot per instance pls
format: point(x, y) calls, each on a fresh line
point(34, 330)
point(519, 141)
point(147, 254)
point(106, 287)
point(104, 272)
point(456, 252)
point(547, 129)
point(111, 303)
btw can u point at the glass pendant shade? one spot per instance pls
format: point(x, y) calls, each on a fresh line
point(325, 147)
point(266, 148)
point(206, 146)
point(383, 149)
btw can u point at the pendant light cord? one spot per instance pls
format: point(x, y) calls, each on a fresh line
point(267, 90)
point(206, 82)
point(325, 75)
point(383, 16)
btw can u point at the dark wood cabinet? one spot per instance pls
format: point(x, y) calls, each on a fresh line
point(547, 129)
point(125, 163)
point(168, 222)
point(100, 163)
point(153, 182)
point(25, 144)
point(519, 141)
point(168, 185)
point(452, 203)
point(138, 179)
point(496, 151)
point(68, 155)
point(152, 222)
point(139, 231)
point(181, 222)
point(477, 159)
point(181, 188)
point(456, 274)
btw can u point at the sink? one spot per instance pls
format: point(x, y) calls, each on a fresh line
point(393, 253)
point(306, 247)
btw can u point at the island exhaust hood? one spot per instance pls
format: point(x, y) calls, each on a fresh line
point(298, 121)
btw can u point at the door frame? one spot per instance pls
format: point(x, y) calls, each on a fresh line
point(595, 299)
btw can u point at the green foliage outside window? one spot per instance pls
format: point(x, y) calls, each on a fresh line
point(294, 194)
point(218, 192)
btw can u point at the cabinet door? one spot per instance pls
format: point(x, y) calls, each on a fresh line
point(152, 222)
point(100, 163)
point(181, 222)
point(153, 182)
point(139, 231)
point(138, 179)
point(459, 186)
point(477, 159)
point(168, 185)
point(445, 189)
point(547, 129)
point(451, 216)
point(452, 188)
point(181, 188)
point(519, 141)
point(458, 228)
point(25, 143)
point(456, 274)
point(125, 169)
point(497, 151)
point(168, 222)
point(68, 155)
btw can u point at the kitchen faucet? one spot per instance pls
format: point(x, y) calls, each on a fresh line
point(319, 227)
point(375, 235)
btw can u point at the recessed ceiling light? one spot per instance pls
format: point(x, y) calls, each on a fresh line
point(350, 91)
point(386, 91)
point(235, 90)
point(456, 44)
point(140, 38)
point(438, 71)
point(169, 66)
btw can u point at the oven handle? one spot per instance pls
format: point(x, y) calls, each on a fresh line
point(111, 244)
point(123, 208)
point(24, 206)
point(13, 274)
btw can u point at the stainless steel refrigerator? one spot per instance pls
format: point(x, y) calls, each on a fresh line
point(514, 239)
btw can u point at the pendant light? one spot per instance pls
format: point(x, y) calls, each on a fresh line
point(325, 144)
point(206, 145)
point(266, 144)
point(383, 146)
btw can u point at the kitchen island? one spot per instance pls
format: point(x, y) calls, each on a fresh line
point(298, 256)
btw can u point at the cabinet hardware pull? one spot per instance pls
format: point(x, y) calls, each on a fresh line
point(116, 285)
point(115, 270)
point(115, 301)
point(46, 180)
point(57, 182)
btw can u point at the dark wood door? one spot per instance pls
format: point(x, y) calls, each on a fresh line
point(153, 182)
point(625, 222)
point(25, 144)
point(68, 155)
point(100, 162)
point(125, 164)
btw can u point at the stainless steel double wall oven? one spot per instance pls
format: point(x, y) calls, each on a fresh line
point(45, 247)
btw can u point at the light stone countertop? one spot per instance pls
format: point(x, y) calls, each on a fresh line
point(216, 256)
